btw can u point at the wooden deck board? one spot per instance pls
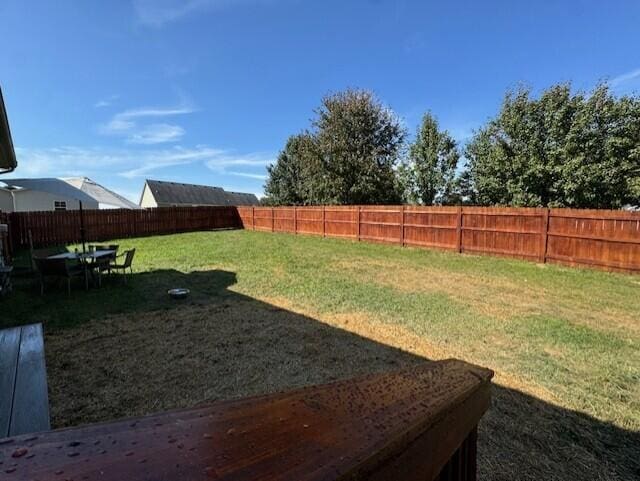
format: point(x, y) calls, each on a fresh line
point(373, 427)
point(30, 400)
point(9, 347)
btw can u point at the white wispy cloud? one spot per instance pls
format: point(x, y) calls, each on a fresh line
point(227, 159)
point(106, 102)
point(72, 161)
point(154, 160)
point(156, 13)
point(130, 124)
point(134, 163)
point(250, 166)
point(66, 161)
point(157, 134)
point(247, 175)
point(625, 78)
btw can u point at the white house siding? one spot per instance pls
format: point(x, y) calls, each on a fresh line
point(31, 200)
point(147, 200)
point(6, 201)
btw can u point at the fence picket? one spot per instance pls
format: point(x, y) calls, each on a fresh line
point(598, 238)
point(592, 238)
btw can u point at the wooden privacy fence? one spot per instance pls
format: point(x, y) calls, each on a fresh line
point(4, 237)
point(597, 238)
point(63, 227)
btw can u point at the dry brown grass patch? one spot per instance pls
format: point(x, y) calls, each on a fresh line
point(493, 296)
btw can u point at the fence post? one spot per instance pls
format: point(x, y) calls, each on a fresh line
point(545, 235)
point(459, 230)
point(295, 220)
point(253, 218)
point(175, 219)
point(402, 225)
point(324, 234)
point(358, 226)
point(5, 248)
point(272, 219)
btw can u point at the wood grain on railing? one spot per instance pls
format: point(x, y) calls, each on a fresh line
point(415, 424)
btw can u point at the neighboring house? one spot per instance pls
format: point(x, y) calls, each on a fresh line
point(156, 193)
point(107, 199)
point(29, 195)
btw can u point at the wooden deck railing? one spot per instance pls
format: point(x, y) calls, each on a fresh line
point(595, 238)
point(416, 424)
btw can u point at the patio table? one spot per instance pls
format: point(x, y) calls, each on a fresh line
point(83, 257)
point(88, 259)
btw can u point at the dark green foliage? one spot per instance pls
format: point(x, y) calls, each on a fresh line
point(429, 174)
point(348, 158)
point(562, 149)
point(286, 182)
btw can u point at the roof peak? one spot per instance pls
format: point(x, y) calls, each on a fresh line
point(183, 183)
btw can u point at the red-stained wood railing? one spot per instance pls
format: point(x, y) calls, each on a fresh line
point(416, 424)
point(596, 238)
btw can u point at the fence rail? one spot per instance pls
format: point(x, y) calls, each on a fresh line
point(63, 227)
point(595, 238)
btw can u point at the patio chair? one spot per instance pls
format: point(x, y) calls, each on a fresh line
point(61, 268)
point(126, 263)
point(104, 263)
point(104, 247)
point(45, 252)
point(5, 280)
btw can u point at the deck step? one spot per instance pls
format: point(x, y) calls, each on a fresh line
point(24, 400)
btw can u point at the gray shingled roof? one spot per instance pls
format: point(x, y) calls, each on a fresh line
point(175, 193)
point(52, 186)
point(100, 193)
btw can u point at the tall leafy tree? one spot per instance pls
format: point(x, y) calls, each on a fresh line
point(560, 149)
point(287, 178)
point(429, 175)
point(349, 157)
point(359, 142)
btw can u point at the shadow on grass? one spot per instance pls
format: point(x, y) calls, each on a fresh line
point(141, 293)
point(130, 350)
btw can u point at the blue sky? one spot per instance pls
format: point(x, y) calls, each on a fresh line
point(207, 91)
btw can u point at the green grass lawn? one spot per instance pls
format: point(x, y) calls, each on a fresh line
point(565, 343)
